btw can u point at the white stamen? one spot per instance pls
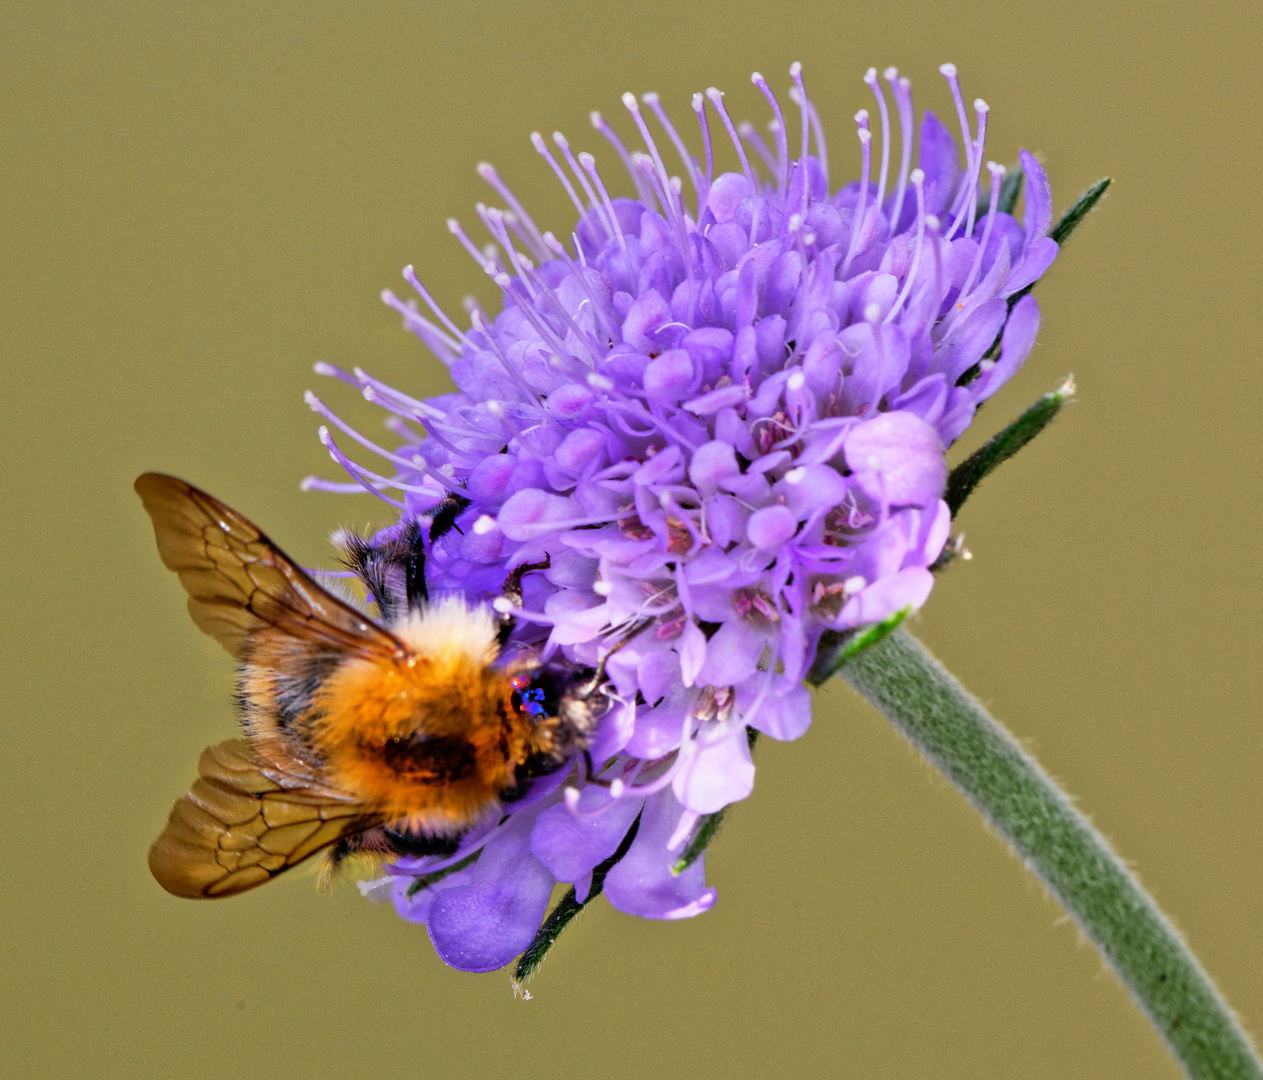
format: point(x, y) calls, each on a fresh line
point(502, 605)
point(537, 141)
point(870, 78)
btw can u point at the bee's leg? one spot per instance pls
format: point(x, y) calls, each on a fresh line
point(414, 570)
point(371, 565)
point(443, 520)
point(512, 592)
point(412, 547)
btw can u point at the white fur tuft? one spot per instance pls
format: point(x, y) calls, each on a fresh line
point(448, 625)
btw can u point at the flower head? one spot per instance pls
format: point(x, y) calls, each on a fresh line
point(718, 413)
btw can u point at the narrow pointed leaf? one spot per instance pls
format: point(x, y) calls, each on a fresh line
point(1073, 217)
point(999, 448)
point(843, 647)
point(567, 908)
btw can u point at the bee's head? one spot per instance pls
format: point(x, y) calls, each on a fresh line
point(568, 695)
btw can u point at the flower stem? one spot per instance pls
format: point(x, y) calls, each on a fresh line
point(939, 717)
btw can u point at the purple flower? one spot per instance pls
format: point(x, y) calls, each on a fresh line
point(719, 412)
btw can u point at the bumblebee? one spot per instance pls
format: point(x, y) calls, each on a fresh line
point(358, 735)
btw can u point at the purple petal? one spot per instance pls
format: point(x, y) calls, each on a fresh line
point(532, 513)
point(671, 376)
point(937, 159)
point(732, 655)
point(720, 771)
point(711, 464)
point(571, 845)
point(1037, 219)
point(641, 883)
point(898, 459)
point(646, 314)
point(784, 714)
point(1015, 346)
point(482, 925)
point(1037, 258)
point(770, 527)
point(908, 588)
point(726, 194)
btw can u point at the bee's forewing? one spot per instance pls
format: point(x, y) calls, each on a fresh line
point(240, 583)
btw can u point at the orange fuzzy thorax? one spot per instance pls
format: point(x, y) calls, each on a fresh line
point(430, 736)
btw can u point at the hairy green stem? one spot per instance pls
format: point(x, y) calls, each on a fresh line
point(940, 718)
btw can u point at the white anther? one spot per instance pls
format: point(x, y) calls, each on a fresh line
point(796, 381)
point(980, 105)
point(502, 605)
point(495, 409)
point(917, 176)
point(600, 382)
point(861, 117)
point(854, 584)
point(795, 476)
point(485, 524)
point(948, 70)
point(795, 69)
point(616, 789)
point(872, 312)
point(602, 588)
point(571, 796)
point(630, 103)
point(890, 73)
point(448, 470)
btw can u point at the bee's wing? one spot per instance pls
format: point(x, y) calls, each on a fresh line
point(245, 820)
point(239, 582)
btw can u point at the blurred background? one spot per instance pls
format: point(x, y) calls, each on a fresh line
point(201, 201)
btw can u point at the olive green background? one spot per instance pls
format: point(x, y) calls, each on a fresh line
point(200, 200)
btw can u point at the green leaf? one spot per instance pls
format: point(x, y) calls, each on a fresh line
point(836, 649)
point(567, 908)
point(999, 448)
point(1073, 217)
